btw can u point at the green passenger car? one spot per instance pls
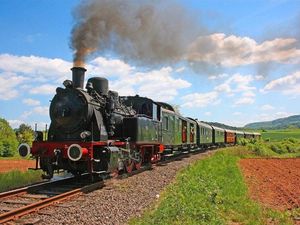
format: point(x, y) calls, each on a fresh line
point(177, 132)
point(204, 134)
point(218, 135)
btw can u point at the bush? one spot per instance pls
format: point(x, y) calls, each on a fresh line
point(8, 140)
point(260, 149)
point(243, 142)
point(278, 148)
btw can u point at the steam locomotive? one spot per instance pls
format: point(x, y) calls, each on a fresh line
point(93, 130)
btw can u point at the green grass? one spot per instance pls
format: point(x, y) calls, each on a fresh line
point(278, 135)
point(210, 191)
point(16, 178)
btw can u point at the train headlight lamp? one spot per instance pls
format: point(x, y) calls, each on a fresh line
point(24, 150)
point(76, 152)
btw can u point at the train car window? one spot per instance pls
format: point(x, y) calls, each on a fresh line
point(146, 109)
point(165, 123)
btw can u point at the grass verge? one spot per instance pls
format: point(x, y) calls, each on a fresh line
point(16, 178)
point(211, 191)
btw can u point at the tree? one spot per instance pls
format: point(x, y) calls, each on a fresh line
point(25, 134)
point(8, 139)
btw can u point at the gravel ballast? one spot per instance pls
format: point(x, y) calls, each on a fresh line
point(118, 201)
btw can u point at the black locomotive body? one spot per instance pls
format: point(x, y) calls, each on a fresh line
point(93, 131)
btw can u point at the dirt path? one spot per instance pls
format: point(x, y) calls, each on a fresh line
point(274, 182)
point(9, 165)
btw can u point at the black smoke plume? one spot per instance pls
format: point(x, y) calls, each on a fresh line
point(144, 31)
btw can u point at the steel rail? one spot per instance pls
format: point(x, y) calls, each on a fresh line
point(25, 189)
point(14, 214)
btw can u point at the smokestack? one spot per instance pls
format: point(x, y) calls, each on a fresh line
point(78, 76)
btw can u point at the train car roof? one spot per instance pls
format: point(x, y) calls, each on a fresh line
point(218, 128)
point(179, 116)
point(228, 130)
point(239, 132)
point(258, 134)
point(166, 106)
point(202, 124)
point(246, 132)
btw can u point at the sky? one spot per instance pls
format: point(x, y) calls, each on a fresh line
point(244, 65)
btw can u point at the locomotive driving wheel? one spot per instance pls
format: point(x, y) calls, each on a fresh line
point(138, 162)
point(129, 165)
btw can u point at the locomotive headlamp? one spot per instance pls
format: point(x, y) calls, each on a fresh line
point(75, 152)
point(24, 150)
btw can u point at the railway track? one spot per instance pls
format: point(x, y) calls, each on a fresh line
point(17, 203)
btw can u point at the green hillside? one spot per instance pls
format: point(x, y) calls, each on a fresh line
point(224, 126)
point(283, 123)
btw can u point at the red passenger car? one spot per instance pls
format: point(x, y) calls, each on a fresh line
point(230, 137)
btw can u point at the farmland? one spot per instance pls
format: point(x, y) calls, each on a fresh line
point(214, 190)
point(278, 135)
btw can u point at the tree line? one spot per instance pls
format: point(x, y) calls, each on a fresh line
point(10, 138)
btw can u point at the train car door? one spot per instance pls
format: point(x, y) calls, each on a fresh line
point(184, 131)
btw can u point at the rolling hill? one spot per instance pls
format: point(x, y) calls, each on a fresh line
point(282, 123)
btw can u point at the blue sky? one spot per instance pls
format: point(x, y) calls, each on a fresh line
point(260, 81)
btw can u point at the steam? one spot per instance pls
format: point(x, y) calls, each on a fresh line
point(146, 32)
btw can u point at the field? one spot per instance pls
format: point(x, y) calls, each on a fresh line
point(214, 191)
point(9, 164)
point(278, 135)
point(274, 182)
point(13, 173)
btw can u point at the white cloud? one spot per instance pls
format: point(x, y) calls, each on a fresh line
point(109, 67)
point(156, 84)
point(38, 110)
point(232, 50)
point(41, 110)
point(45, 89)
point(267, 107)
point(207, 113)
point(15, 123)
point(240, 85)
point(46, 74)
point(9, 85)
point(34, 66)
point(200, 100)
point(249, 94)
point(31, 102)
point(237, 113)
point(272, 116)
point(220, 76)
point(289, 85)
point(223, 88)
point(244, 101)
